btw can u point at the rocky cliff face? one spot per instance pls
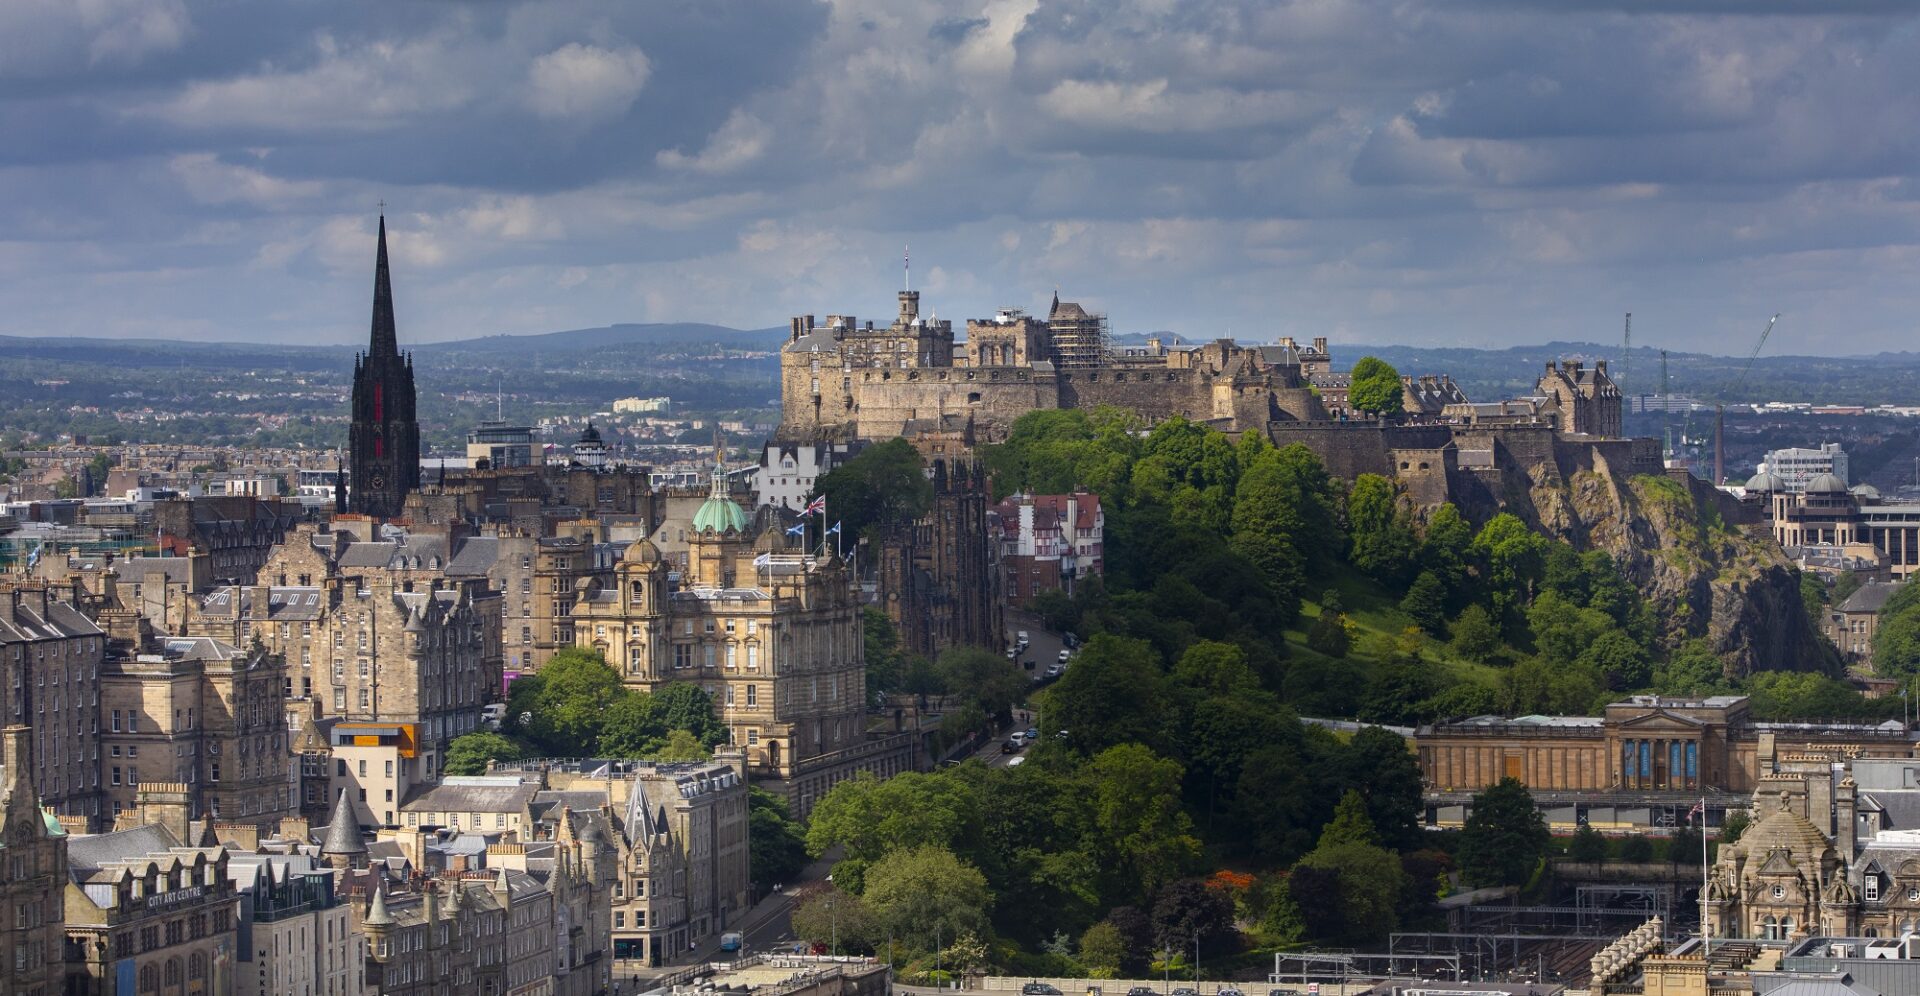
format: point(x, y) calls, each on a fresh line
point(1703, 573)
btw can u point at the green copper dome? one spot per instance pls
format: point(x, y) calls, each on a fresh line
point(720, 514)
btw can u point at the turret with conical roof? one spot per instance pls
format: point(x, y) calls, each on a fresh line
point(343, 847)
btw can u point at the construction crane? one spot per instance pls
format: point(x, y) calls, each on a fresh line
point(1720, 407)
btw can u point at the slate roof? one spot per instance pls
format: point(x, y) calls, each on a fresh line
point(452, 796)
point(87, 855)
point(1871, 597)
point(61, 622)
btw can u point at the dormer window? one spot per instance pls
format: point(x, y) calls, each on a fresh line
point(1871, 888)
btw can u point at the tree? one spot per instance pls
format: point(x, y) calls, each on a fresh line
point(1514, 558)
point(983, 676)
point(917, 893)
point(1136, 817)
point(1587, 845)
point(1623, 662)
point(871, 817)
point(885, 486)
point(565, 703)
point(1313, 894)
point(1187, 911)
point(1102, 950)
point(1114, 693)
point(1474, 635)
point(1135, 928)
point(1398, 690)
point(1351, 824)
point(686, 706)
point(1215, 668)
point(468, 755)
point(680, 745)
point(1370, 886)
point(1505, 836)
point(776, 845)
point(1383, 544)
point(1328, 634)
point(1446, 549)
point(1637, 849)
point(832, 919)
point(1896, 638)
point(1733, 826)
point(1426, 603)
point(1374, 387)
point(1387, 773)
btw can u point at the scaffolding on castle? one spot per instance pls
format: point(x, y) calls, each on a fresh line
point(1079, 339)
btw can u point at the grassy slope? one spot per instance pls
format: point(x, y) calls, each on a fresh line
point(1378, 622)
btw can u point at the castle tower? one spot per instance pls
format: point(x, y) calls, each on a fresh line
point(384, 441)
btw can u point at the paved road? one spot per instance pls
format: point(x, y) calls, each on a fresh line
point(1042, 651)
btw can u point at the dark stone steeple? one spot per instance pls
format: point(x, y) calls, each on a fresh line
point(384, 442)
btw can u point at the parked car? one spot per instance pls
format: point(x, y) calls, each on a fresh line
point(1033, 733)
point(1018, 761)
point(1228, 991)
point(1185, 991)
point(1069, 640)
point(1283, 992)
point(1013, 653)
point(1021, 638)
point(1039, 989)
point(1053, 670)
point(1065, 656)
point(1142, 991)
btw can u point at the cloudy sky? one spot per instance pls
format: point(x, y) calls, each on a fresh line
point(1475, 172)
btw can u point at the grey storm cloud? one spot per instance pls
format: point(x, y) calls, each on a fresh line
point(1478, 172)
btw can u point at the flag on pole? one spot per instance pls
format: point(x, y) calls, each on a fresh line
point(835, 531)
point(798, 529)
point(817, 505)
point(1699, 809)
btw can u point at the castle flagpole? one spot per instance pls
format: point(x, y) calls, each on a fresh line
point(1706, 935)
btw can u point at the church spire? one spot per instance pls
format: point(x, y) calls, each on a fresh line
point(384, 341)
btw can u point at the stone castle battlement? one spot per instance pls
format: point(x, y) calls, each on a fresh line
point(846, 379)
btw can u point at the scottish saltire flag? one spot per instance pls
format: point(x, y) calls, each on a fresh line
point(798, 528)
point(835, 531)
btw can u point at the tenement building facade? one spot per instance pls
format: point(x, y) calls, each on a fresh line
point(50, 657)
point(773, 633)
point(203, 714)
point(1644, 763)
point(149, 913)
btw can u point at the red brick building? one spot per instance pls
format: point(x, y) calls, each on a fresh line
point(1048, 542)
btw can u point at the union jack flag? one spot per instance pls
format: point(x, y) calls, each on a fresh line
point(1699, 809)
point(817, 505)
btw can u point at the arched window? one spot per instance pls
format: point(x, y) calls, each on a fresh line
point(149, 979)
point(173, 972)
point(197, 966)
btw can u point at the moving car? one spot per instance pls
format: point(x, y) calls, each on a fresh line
point(1039, 989)
point(1011, 747)
point(1033, 733)
point(729, 942)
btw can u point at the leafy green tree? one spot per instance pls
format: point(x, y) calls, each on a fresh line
point(1102, 950)
point(922, 893)
point(1313, 895)
point(1135, 928)
point(832, 919)
point(1274, 802)
point(1115, 693)
point(886, 672)
point(1446, 549)
point(1137, 818)
point(1399, 687)
point(565, 702)
point(1374, 387)
point(1587, 845)
point(1187, 911)
point(872, 818)
point(1329, 634)
point(1563, 630)
point(1896, 638)
point(685, 706)
point(1535, 686)
point(1387, 774)
point(1370, 884)
point(680, 745)
point(1426, 603)
point(1637, 849)
point(1383, 544)
point(885, 486)
point(1692, 669)
point(1216, 669)
point(983, 676)
point(1267, 527)
point(468, 755)
point(1623, 662)
point(777, 846)
point(1684, 848)
point(1505, 836)
point(1733, 826)
point(1351, 824)
point(1475, 637)
point(1514, 559)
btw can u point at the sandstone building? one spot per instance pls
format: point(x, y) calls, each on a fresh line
point(33, 854)
point(50, 659)
point(773, 634)
point(1645, 763)
point(148, 912)
point(201, 714)
point(296, 930)
point(1851, 524)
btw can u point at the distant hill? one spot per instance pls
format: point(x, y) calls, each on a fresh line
point(665, 334)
